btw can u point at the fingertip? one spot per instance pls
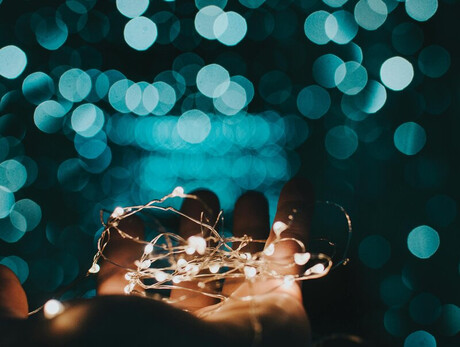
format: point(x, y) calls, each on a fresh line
point(251, 216)
point(297, 190)
point(207, 203)
point(13, 299)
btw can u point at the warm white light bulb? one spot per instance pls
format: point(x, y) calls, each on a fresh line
point(178, 191)
point(148, 248)
point(181, 262)
point(94, 269)
point(301, 258)
point(145, 264)
point(318, 268)
point(160, 276)
point(289, 280)
point(250, 272)
point(52, 308)
point(279, 227)
point(117, 212)
point(269, 250)
point(214, 268)
point(197, 243)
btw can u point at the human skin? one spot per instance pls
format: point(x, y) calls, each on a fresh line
point(113, 318)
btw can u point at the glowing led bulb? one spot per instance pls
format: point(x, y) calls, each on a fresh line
point(301, 258)
point(250, 272)
point(128, 276)
point(318, 268)
point(94, 269)
point(196, 244)
point(129, 288)
point(279, 227)
point(117, 212)
point(148, 248)
point(289, 280)
point(269, 250)
point(181, 262)
point(214, 268)
point(177, 279)
point(52, 308)
point(145, 264)
point(160, 276)
point(178, 191)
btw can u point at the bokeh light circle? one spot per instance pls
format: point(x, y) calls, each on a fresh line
point(51, 33)
point(205, 19)
point(351, 77)
point(371, 14)
point(372, 98)
point(425, 308)
point(232, 101)
point(423, 241)
point(6, 201)
point(48, 116)
point(131, 9)
point(396, 73)
point(212, 80)
point(275, 87)
point(230, 28)
point(28, 213)
point(324, 70)
point(71, 175)
point(18, 266)
point(374, 251)
point(13, 175)
point(38, 87)
point(434, 61)
point(420, 338)
point(407, 38)
point(335, 3)
point(87, 120)
point(75, 85)
point(450, 320)
point(421, 10)
point(341, 27)
point(13, 61)
point(140, 33)
point(409, 138)
point(194, 126)
point(313, 102)
point(341, 142)
point(315, 27)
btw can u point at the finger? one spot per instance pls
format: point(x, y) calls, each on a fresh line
point(250, 218)
point(13, 299)
point(206, 208)
point(295, 210)
point(122, 251)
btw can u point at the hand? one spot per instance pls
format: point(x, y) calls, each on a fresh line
point(274, 317)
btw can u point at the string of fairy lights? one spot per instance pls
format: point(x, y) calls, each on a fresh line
point(206, 259)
